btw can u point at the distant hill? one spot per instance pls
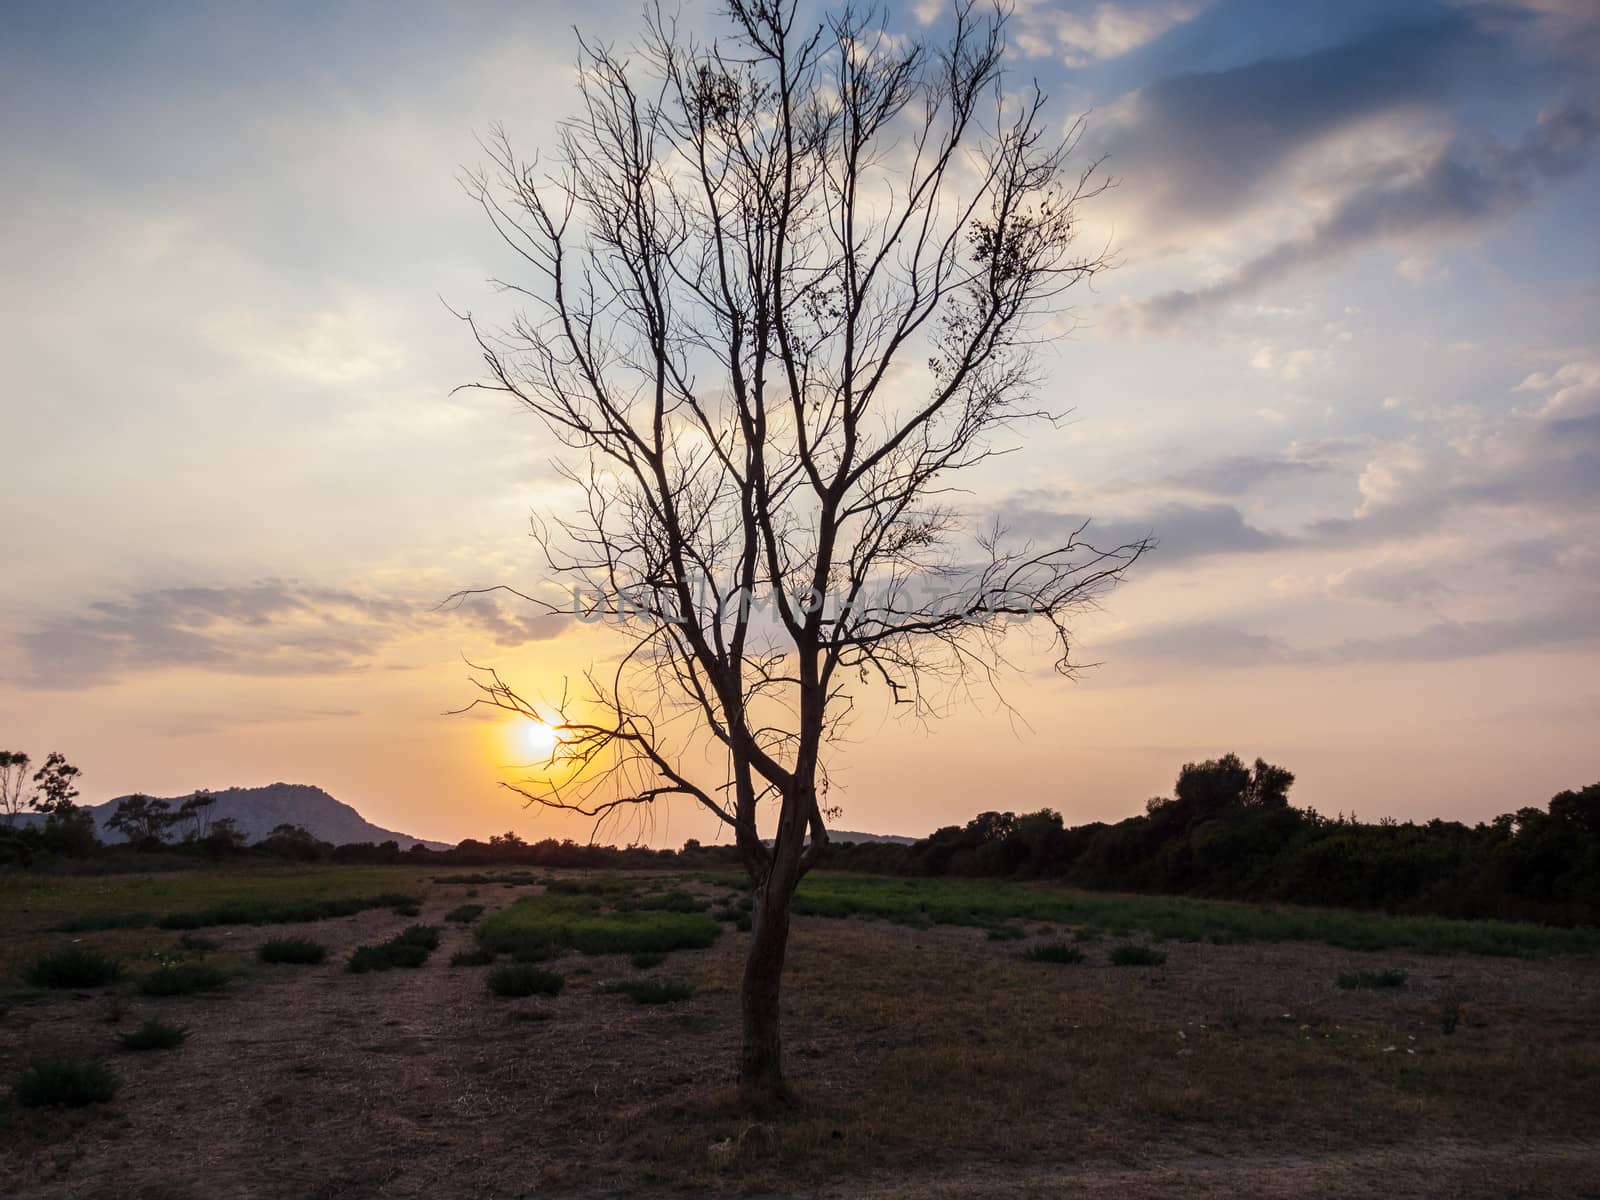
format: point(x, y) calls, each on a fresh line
point(258, 810)
point(847, 835)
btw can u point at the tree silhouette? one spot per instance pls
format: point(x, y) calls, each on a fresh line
point(783, 291)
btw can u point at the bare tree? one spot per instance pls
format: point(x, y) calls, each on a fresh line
point(781, 289)
point(14, 794)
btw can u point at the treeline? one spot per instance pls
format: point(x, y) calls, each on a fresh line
point(1229, 832)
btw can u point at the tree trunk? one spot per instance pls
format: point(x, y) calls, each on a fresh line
point(761, 1080)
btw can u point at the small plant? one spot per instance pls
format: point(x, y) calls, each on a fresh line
point(114, 1008)
point(408, 908)
point(535, 952)
point(1007, 933)
point(63, 1083)
point(478, 956)
point(1086, 934)
point(183, 979)
point(645, 959)
point(465, 914)
point(652, 991)
point(408, 949)
point(1131, 955)
point(1450, 1014)
point(198, 943)
point(1054, 952)
point(522, 979)
point(153, 1035)
point(1351, 980)
point(727, 913)
point(74, 967)
point(292, 950)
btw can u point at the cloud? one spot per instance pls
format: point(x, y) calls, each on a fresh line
point(1461, 189)
point(1236, 475)
point(1098, 31)
point(274, 627)
point(1573, 622)
point(1183, 531)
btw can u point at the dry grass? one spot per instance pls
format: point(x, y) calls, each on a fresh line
point(931, 1062)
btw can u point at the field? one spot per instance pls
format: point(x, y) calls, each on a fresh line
point(946, 1039)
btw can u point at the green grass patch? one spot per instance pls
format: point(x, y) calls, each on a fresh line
point(153, 1035)
point(74, 967)
point(1054, 952)
point(464, 914)
point(408, 949)
point(990, 903)
point(94, 922)
point(299, 951)
point(63, 1083)
point(1377, 980)
point(584, 922)
point(267, 912)
point(183, 979)
point(523, 979)
point(1131, 955)
point(652, 991)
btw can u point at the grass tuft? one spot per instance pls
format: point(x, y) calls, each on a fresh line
point(74, 967)
point(643, 960)
point(408, 949)
point(300, 951)
point(1131, 955)
point(63, 1083)
point(475, 957)
point(522, 979)
point(652, 991)
point(183, 979)
point(153, 1035)
point(464, 914)
point(1351, 980)
point(1007, 933)
point(1054, 952)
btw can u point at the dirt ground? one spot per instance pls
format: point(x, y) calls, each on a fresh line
point(931, 1063)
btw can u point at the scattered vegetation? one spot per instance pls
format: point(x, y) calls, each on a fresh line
point(263, 912)
point(408, 949)
point(515, 878)
point(153, 1035)
point(63, 1083)
point(183, 979)
point(523, 979)
point(1054, 952)
point(478, 956)
point(652, 991)
point(1007, 933)
point(989, 903)
point(1132, 955)
point(95, 922)
point(1351, 980)
point(302, 951)
point(74, 967)
point(584, 921)
point(464, 914)
point(198, 943)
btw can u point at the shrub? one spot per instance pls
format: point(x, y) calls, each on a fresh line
point(260, 912)
point(74, 967)
point(577, 919)
point(521, 979)
point(465, 914)
point(183, 979)
point(408, 949)
point(153, 1035)
point(536, 952)
point(728, 913)
point(197, 943)
point(1007, 933)
point(63, 1083)
point(292, 950)
point(1351, 980)
point(478, 956)
point(408, 908)
point(1130, 955)
point(674, 901)
point(94, 922)
point(743, 923)
point(645, 959)
point(1054, 952)
point(652, 991)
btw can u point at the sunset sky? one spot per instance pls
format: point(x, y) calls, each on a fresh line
point(1348, 373)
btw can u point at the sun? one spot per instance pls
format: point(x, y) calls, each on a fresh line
point(539, 737)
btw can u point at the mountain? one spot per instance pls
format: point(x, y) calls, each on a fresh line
point(258, 810)
point(846, 835)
